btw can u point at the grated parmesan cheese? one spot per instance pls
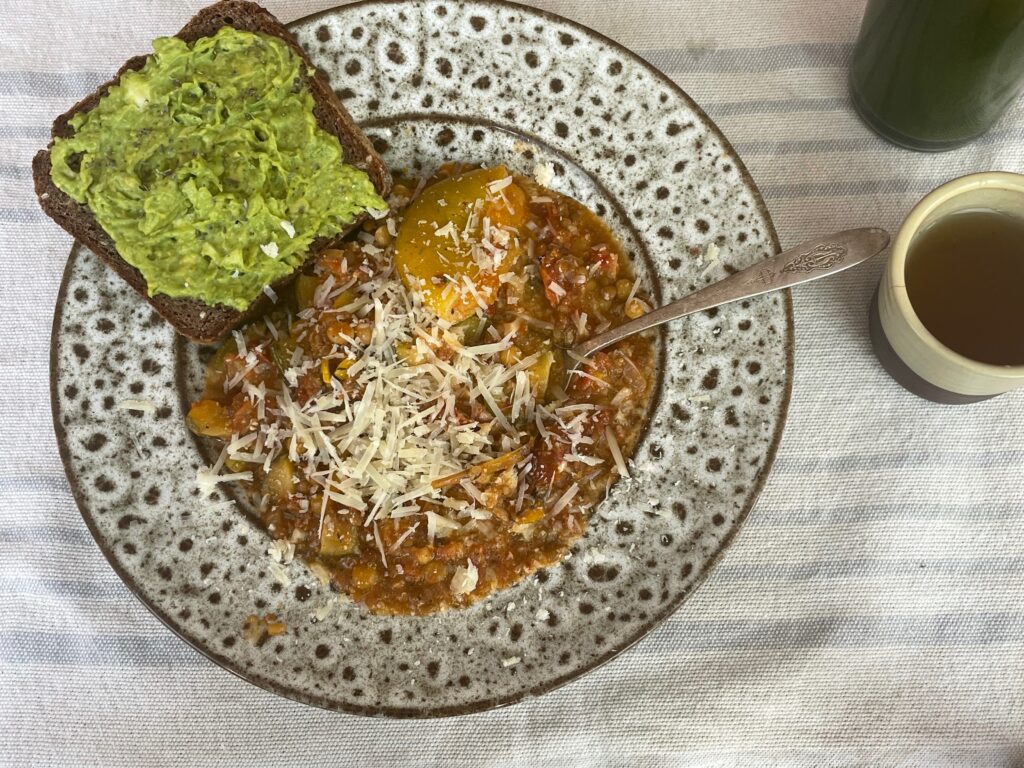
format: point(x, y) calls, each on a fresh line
point(497, 185)
point(323, 611)
point(713, 260)
point(282, 551)
point(141, 405)
point(633, 290)
point(280, 574)
point(206, 481)
point(544, 173)
point(565, 498)
point(439, 525)
point(613, 446)
point(465, 579)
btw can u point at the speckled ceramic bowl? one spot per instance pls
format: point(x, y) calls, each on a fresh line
point(484, 82)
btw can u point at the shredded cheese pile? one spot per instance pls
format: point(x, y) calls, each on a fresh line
point(409, 413)
point(380, 439)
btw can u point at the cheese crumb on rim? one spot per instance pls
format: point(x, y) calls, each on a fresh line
point(280, 574)
point(544, 173)
point(142, 405)
point(282, 551)
point(713, 260)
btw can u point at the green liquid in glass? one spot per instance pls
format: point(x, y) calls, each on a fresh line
point(935, 74)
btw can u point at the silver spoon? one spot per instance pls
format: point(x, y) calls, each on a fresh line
point(808, 261)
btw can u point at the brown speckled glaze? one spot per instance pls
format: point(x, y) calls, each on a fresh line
point(484, 82)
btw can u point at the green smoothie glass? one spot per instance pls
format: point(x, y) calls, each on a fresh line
point(932, 75)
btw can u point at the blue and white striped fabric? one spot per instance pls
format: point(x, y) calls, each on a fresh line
point(871, 612)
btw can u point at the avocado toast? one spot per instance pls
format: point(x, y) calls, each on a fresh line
point(211, 211)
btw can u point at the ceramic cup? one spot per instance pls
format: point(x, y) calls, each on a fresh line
point(905, 348)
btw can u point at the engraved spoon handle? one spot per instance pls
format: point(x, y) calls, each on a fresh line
point(808, 261)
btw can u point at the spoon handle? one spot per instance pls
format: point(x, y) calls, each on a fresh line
point(808, 261)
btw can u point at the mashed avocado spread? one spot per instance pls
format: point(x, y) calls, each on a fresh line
point(208, 170)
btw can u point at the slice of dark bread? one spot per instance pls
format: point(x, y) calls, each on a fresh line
point(191, 317)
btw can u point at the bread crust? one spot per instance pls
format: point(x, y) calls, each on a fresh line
point(201, 322)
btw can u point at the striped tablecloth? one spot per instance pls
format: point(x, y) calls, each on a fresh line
point(869, 613)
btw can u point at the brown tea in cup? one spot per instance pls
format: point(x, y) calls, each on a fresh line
point(965, 279)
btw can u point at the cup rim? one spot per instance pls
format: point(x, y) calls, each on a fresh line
point(901, 246)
